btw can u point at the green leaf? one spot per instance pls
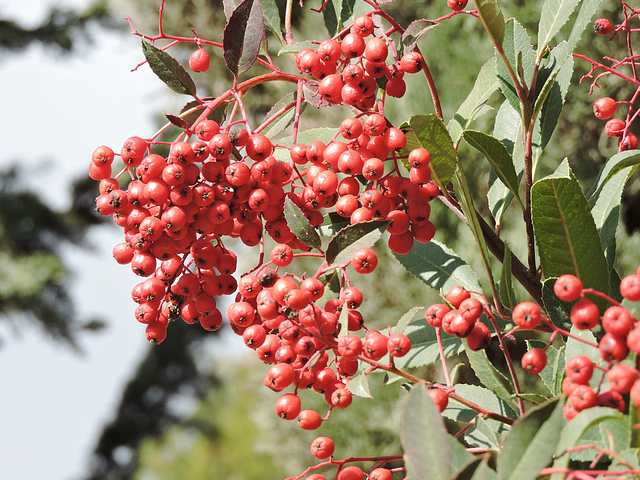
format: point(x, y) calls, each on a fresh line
point(477, 470)
point(555, 13)
point(299, 224)
point(518, 51)
point(439, 267)
point(243, 35)
point(335, 14)
point(343, 321)
point(407, 318)
point(271, 16)
point(487, 399)
point(429, 132)
point(554, 371)
point(485, 85)
point(489, 375)
point(497, 154)
point(507, 296)
point(572, 432)
point(614, 165)
point(424, 346)
point(565, 231)
point(606, 212)
point(530, 445)
point(359, 386)
point(629, 457)
point(563, 63)
point(285, 120)
point(588, 9)
point(492, 19)
point(507, 130)
point(296, 47)
point(558, 311)
point(352, 238)
point(430, 453)
point(415, 30)
point(168, 70)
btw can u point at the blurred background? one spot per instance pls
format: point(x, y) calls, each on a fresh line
point(83, 395)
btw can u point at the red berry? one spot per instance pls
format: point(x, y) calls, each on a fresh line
point(568, 288)
point(612, 348)
point(630, 288)
point(439, 397)
point(579, 370)
point(621, 377)
point(604, 108)
point(199, 60)
point(583, 397)
point(279, 377)
point(585, 314)
point(398, 345)
point(534, 361)
point(435, 313)
point(617, 320)
point(615, 127)
point(322, 447)
point(351, 473)
point(456, 295)
point(309, 420)
point(288, 406)
point(478, 337)
point(374, 345)
point(380, 474)
point(603, 26)
point(457, 5)
point(527, 315)
point(364, 261)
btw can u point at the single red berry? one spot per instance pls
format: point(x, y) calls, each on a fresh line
point(603, 26)
point(615, 127)
point(630, 288)
point(364, 261)
point(612, 348)
point(309, 420)
point(611, 399)
point(341, 398)
point(411, 62)
point(617, 320)
point(585, 314)
point(439, 397)
point(380, 474)
point(634, 394)
point(621, 377)
point(288, 406)
point(457, 5)
point(479, 336)
point(374, 345)
point(583, 397)
point(435, 313)
point(279, 377)
point(322, 447)
point(534, 361)
point(628, 142)
point(398, 345)
point(604, 108)
point(351, 473)
point(199, 60)
point(527, 315)
point(579, 369)
point(633, 340)
point(568, 288)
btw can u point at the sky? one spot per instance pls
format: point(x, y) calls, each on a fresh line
point(57, 109)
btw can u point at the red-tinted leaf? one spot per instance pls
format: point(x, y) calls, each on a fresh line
point(243, 35)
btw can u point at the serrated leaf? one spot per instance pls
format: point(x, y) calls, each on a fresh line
point(271, 16)
point(530, 445)
point(490, 376)
point(285, 120)
point(558, 311)
point(550, 113)
point(243, 35)
point(497, 154)
point(463, 414)
point(352, 238)
point(492, 19)
point(485, 85)
point(507, 296)
point(588, 9)
point(407, 318)
point(572, 432)
point(565, 232)
point(299, 224)
point(439, 267)
point(424, 346)
point(168, 70)
point(518, 51)
point(554, 371)
point(555, 13)
point(507, 130)
point(359, 386)
point(431, 133)
point(415, 30)
point(430, 453)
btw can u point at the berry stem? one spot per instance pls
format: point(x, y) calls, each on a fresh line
point(443, 359)
point(596, 293)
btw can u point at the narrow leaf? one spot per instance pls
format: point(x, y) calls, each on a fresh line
point(271, 16)
point(168, 70)
point(530, 445)
point(489, 376)
point(492, 19)
point(565, 231)
point(243, 35)
point(507, 296)
point(617, 163)
point(588, 9)
point(439, 267)
point(518, 51)
point(550, 113)
point(485, 85)
point(497, 154)
point(555, 13)
point(299, 224)
point(352, 238)
point(415, 30)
